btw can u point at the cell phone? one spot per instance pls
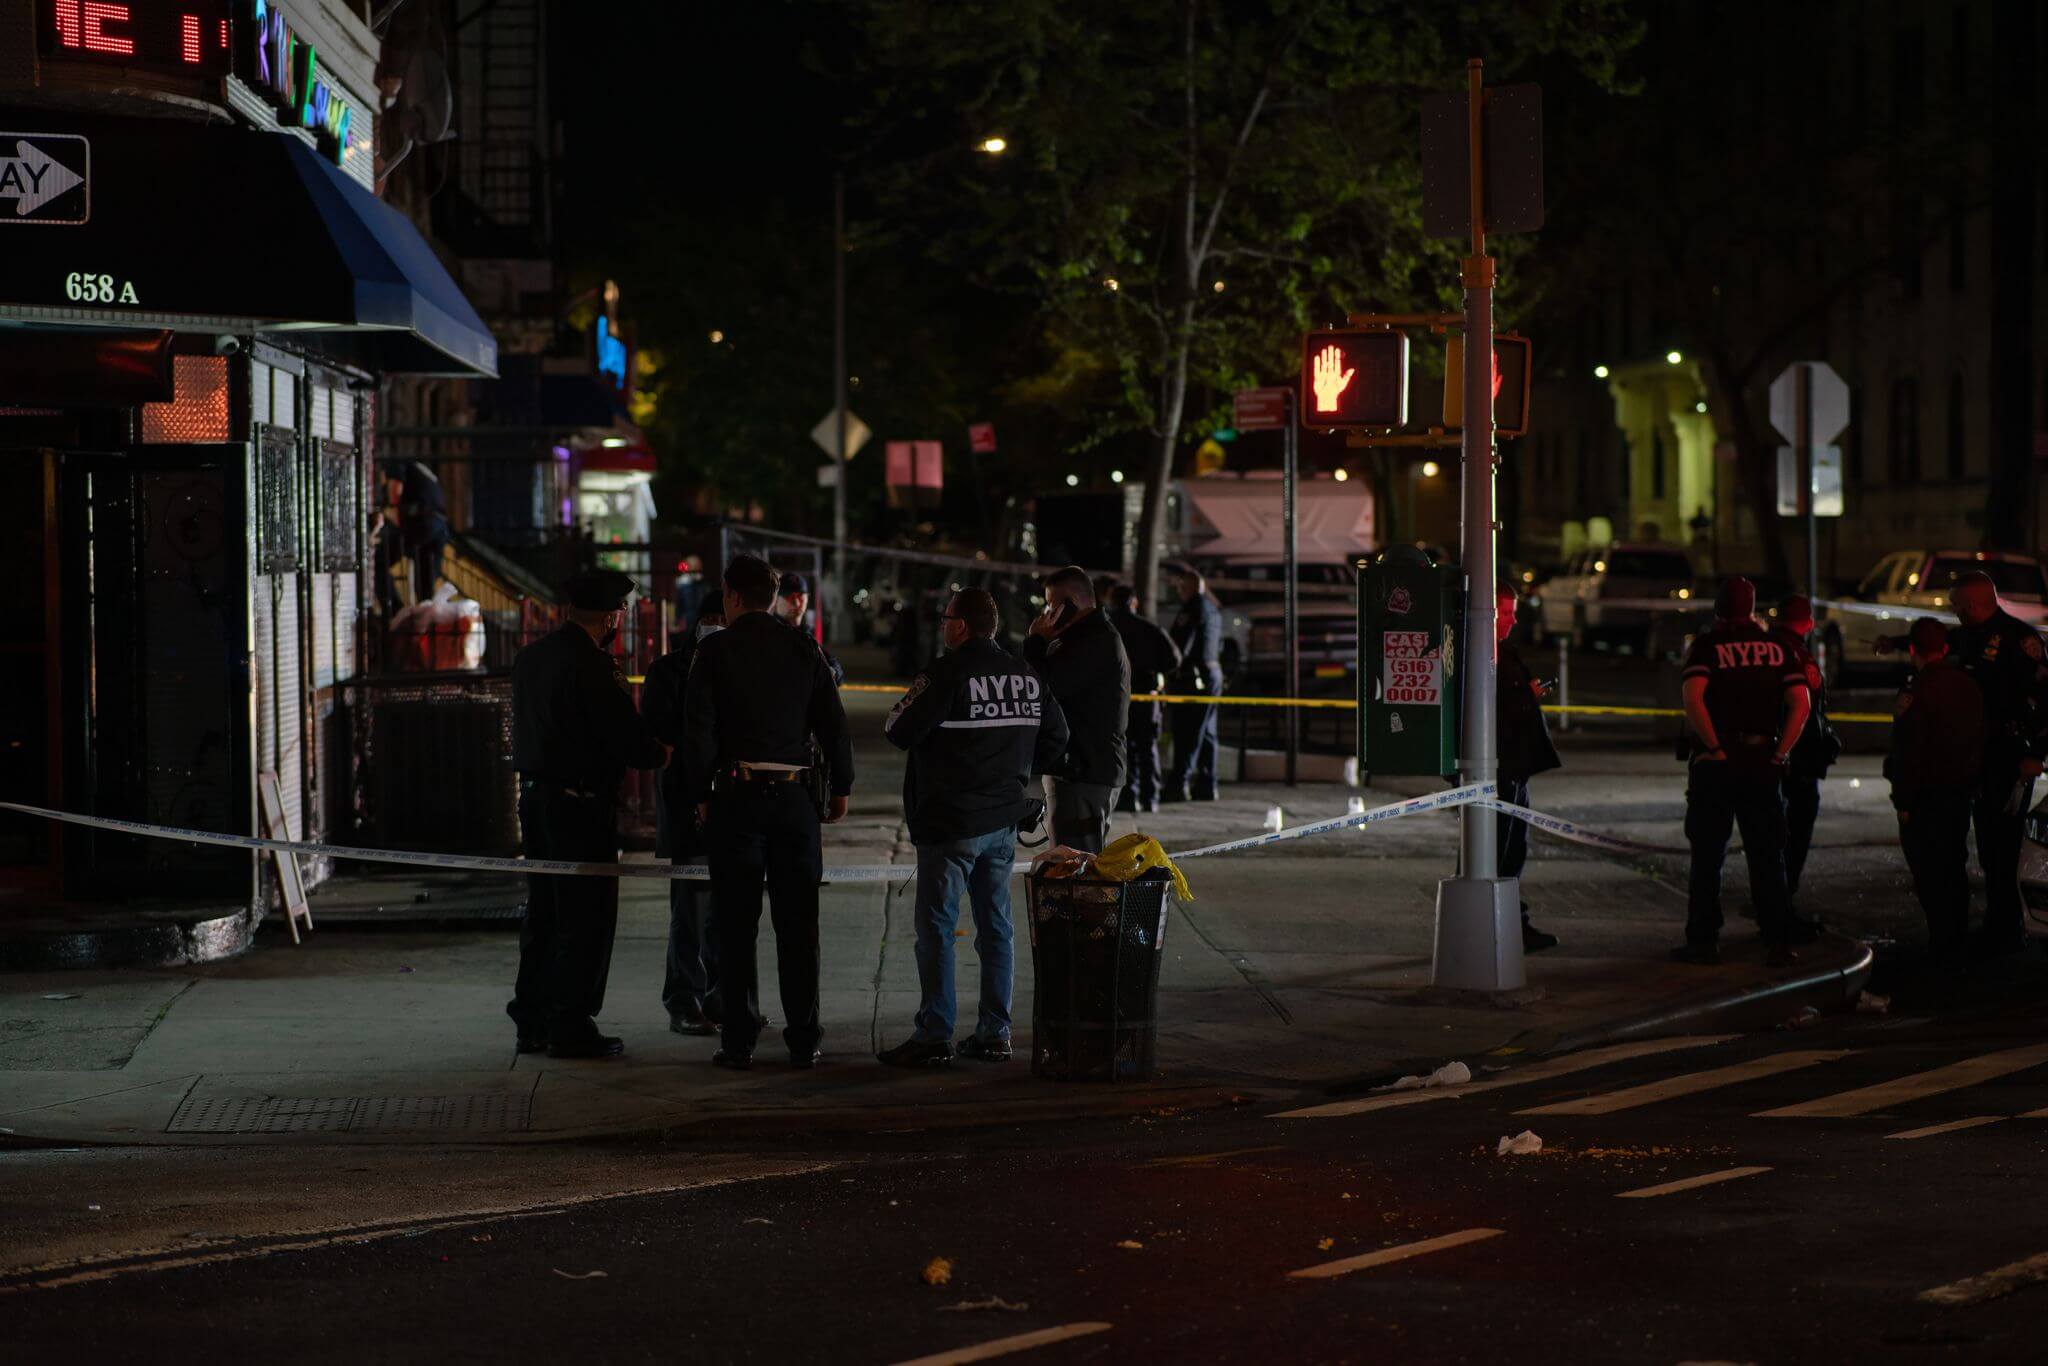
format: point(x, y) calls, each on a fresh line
point(1060, 617)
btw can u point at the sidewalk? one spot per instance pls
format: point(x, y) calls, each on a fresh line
point(1292, 971)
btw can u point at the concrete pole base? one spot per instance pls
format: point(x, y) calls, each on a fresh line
point(1479, 934)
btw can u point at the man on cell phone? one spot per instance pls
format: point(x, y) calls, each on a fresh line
point(1082, 659)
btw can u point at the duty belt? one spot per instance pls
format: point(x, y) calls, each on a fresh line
point(527, 784)
point(747, 773)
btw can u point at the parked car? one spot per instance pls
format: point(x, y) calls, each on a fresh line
point(1910, 583)
point(2034, 873)
point(1607, 595)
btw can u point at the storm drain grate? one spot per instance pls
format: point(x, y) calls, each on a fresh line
point(491, 1112)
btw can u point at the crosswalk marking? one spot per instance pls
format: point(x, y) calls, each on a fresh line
point(1929, 1131)
point(1689, 1083)
point(1555, 1067)
point(1956, 1075)
point(1345, 1266)
point(1990, 1285)
point(2036, 1114)
point(1002, 1347)
point(1690, 1183)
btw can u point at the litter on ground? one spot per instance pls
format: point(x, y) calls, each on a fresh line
point(1520, 1145)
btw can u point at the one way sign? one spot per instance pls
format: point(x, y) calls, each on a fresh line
point(47, 176)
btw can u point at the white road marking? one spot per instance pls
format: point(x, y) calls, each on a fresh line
point(1953, 1077)
point(1002, 1347)
point(1208, 1159)
point(1542, 1071)
point(2035, 1114)
point(1689, 1083)
point(1345, 1266)
point(1975, 1122)
point(1691, 1183)
point(1990, 1285)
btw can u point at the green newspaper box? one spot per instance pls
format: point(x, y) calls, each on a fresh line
point(1409, 608)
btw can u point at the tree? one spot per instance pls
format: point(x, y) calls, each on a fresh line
point(1189, 185)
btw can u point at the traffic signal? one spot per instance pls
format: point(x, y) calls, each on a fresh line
point(1510, 385)
point(1354, 378)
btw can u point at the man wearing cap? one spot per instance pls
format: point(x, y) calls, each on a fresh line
point(792, 600)
point(758, 694)
point(575, 732)
point(1936, 767)
point(1818, 746)
point(2003, 656)
point(1746, 703)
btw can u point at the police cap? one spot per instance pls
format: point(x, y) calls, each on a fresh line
point(599, 590)
point(791, 585)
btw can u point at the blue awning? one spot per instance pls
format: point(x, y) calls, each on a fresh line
point(206, 228)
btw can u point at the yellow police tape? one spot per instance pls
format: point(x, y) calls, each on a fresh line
point(1350, 704)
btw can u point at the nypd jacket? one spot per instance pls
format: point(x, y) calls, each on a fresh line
point(1088, 671)
point(978, 723)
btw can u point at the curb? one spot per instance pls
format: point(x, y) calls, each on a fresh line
point(165, 943)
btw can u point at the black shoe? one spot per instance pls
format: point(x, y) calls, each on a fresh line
point(806, 1058)
point(1173, 794)
point(917, 1053)
point(984, 1050)
point(1208, 795)
point(587, 1046)
point(1535, 940)
point(693, 1024)
point(1126, 806)
point(738, 1062)
point(529, 1043)
point(1702, 954)
point(1779, 954)
point(1798, 931)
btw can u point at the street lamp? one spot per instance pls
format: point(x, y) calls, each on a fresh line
point(995, 147)
point(1430, 469)
point(1599, 372)
point(1673, 357)
point(1073, 481)
point(1115, 476)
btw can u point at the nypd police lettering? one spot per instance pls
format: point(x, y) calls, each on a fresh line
point(1748, 654)
point(1001, 699)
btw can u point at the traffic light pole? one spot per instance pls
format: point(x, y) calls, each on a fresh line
point(837, 597)
point(1291, 596)
point(1478, 913)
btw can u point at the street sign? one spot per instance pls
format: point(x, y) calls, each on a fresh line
point(1511, 160)
point(1354, 378)
point(915, 473)
point(1511, 369)
point(1828, 499)
point(828, 476)
point(1828, 405)
point(826, 434)
point(39, 171)
point(981, 438)
point(1260, 410)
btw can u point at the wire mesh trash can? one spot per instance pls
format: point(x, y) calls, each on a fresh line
point(1095, 952)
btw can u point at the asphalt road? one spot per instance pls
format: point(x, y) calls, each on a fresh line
point(1816, 1235)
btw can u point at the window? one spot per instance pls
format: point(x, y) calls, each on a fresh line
point(1958, 246)
point(1955, 426)
point(1656, 464)
point(1902, 439)
point(1853, 452)
point(1906, 248)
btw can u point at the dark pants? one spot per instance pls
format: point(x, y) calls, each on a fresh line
point(1079, 814)
point(1721, 797)
point(690, 982)
point(1194, 743)
point(429, 546)
point(766, 833)
point(1511, 832)
point(565, 940)
point(1802, 808)
point(1935, 833)
point(1141, 744)
point(1998, 849)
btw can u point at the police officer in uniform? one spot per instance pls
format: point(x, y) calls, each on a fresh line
point(1525, 751)
point(2004, 657)
point(1082, 660)
point(759, 692)
point(1746, 703)
point(1818, 746)
point(1198, 635)
point(689, 988)
point(978, 723)
point(1936, 767)
point(1154, 659)
point(574, 734)
point(792, 604)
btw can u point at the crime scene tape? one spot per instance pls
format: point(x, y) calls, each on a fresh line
point(695, 872)
point(1576, 833)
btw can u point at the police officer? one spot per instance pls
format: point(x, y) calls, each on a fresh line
point(1198, 635)
point(689, 988)
point(1746, 702)
point(1082, 659)
point(978, 723)
point(1154, 659)
point(1818, 746)
point(574, 735)
point(759, 692)
point(2003, 656)
point(792, 601)
point(1525, 751)
point(1936, 767)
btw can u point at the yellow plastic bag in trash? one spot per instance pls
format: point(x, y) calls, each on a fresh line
point(1126, 858)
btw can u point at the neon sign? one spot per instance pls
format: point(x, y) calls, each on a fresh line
point(173, 37)
point(285, 69)
point(611, 355)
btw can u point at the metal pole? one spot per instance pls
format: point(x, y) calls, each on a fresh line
point(1564, 682)
point(837, 597)
point(1803, 423)
point(1291, 569)
point(1478, 929)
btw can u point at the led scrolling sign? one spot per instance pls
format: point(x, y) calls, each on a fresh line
point(203, 38)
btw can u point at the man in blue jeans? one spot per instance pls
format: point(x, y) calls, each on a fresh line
point(979, 723)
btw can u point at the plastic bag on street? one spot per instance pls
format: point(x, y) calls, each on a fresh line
point(1520, 1145)
point(1450, 1074)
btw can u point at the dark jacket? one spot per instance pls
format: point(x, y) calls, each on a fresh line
point(1153, 655)
point(1198, 635)
point(1088, 671)
point(758, 692)
point(661, 702)
point(1817, 747)
point(2004, 657)
point(978, 724)
point(573, 721)
point(1938, 728)
point(1525, 746)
